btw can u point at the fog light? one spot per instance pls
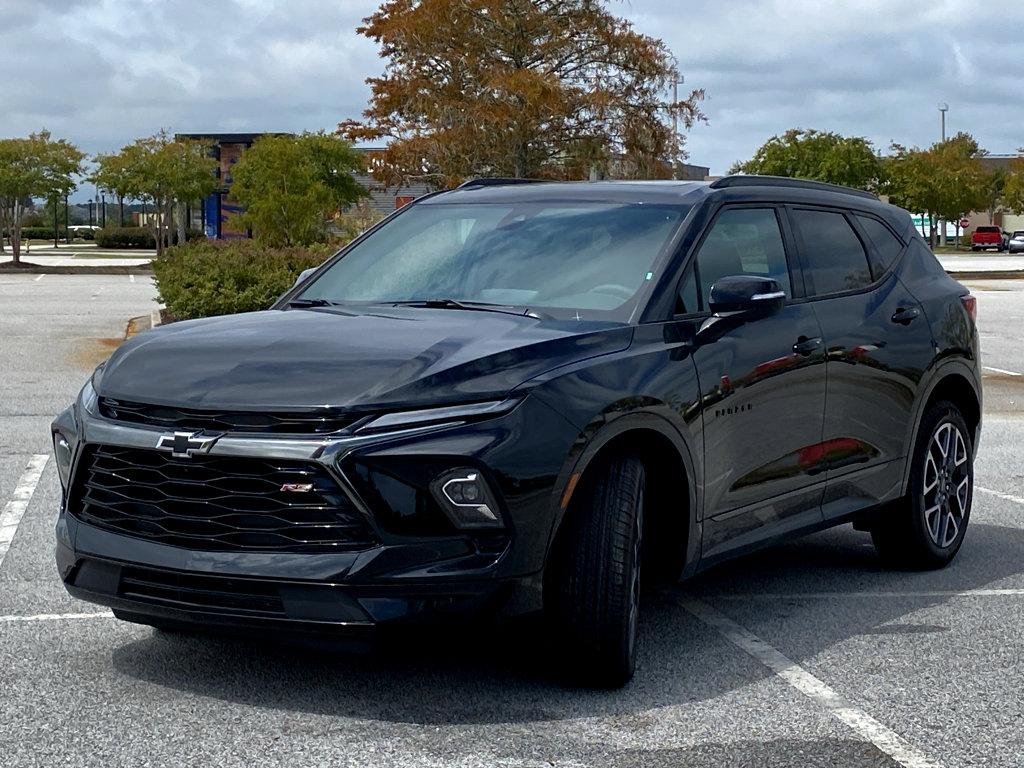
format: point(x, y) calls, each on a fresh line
point(465, 496)
point(62, 455)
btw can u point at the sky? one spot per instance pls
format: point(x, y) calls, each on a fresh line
point(104, 72)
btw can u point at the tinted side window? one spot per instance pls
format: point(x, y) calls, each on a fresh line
point(887, 246)
point(742, 241)
point(834, 257)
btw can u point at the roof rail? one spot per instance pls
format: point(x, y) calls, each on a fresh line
point(496, 181)
point(754, 180)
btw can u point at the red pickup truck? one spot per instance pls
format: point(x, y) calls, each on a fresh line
point(987, 236)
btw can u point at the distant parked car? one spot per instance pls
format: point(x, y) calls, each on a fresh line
point(987, 236)
point(1016, 243)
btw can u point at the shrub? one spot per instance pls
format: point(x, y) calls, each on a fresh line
point(125, 237)
point(219, 277)
point(38, 233)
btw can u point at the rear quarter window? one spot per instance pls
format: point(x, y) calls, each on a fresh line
point(885, 246)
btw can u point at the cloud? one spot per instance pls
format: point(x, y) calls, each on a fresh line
point(104, 72)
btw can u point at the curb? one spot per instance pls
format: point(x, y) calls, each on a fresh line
point(99, 269)
point(989, 275)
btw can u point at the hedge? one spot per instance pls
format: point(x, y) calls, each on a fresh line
point(125, 237)
point(220, 277)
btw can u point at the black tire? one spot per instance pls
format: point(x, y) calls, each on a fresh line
point(593, 588)
point(974, 248)
point(926, 528)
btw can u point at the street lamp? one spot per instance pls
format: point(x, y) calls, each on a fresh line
point(943, 107)
point(90, 212)
point(103, 210)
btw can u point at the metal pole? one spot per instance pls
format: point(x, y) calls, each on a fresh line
point(55, 199)
point(942, 112)
point(675, 128)
point(67, 230)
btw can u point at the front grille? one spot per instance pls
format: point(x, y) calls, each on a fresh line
point(198, 591)
point(314, 422)
point(216, 503)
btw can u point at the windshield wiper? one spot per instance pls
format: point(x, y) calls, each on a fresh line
point(465, 304)
point(317, 302)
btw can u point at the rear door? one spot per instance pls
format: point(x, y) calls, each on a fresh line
point(878, 344)
point(762, 388)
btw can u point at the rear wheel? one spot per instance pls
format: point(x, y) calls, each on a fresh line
point(925, 530)
point(593, 590)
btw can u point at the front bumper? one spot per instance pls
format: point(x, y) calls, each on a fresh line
point(400, 579)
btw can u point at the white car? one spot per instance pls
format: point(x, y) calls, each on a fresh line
point(1016, 243)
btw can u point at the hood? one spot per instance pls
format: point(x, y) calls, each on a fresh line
point(408, 357)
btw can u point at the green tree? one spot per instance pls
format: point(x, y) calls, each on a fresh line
point(111, 173)
point(292, 185)
point(36, 167)
point(1013, 187)
point(822, 156)
point(549, 88)
point(159, 171)
point(944, 181)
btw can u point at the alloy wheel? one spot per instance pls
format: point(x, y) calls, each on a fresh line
point(946, 486)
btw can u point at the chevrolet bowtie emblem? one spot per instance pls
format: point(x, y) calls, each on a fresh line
point(187, 445)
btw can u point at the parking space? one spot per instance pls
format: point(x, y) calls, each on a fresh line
point(805, 654)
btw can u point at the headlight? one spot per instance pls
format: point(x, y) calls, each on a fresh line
point(467, 499)
point(400, 420)
point(88, 398)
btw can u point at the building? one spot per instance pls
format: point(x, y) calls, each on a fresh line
point(217, 215)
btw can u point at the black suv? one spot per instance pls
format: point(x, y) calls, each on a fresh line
point(511, 397)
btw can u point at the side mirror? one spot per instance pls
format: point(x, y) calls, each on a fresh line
point(746, 297)
point(303, 275)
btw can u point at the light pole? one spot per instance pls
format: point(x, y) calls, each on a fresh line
point(90, 212)
point(943, 107)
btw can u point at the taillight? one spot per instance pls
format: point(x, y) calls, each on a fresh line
point(970, 304)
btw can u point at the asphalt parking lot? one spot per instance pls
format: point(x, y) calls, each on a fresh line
point(805, 654)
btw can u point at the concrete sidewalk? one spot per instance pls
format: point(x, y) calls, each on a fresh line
point(992, 265)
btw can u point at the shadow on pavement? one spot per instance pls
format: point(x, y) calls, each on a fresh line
point(504, 675)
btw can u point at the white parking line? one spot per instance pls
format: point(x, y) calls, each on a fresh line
point(18, 503)
point(879, 735)
point(40, 277)
point(1001, 495)
point(978, 593)
point(131, 278)
point(46, 617)
point(1002, 371)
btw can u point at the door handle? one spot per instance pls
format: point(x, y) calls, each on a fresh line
point(805, 346)
point(904, 316)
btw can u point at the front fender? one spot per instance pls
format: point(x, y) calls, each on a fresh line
point(602, 431)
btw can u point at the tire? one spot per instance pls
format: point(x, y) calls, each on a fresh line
point(974, 248)
point(926, 528)
point(593, 590)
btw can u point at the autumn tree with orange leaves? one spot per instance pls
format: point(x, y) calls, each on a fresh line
point(520, 88)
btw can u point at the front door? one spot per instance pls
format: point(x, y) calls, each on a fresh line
point(763, 390)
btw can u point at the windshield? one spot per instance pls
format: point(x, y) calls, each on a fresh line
point(585, 260)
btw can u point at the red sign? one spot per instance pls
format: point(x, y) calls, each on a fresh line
point(965, 223)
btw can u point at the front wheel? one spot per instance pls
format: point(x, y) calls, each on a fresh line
point(593, 589)
point(926, 529)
